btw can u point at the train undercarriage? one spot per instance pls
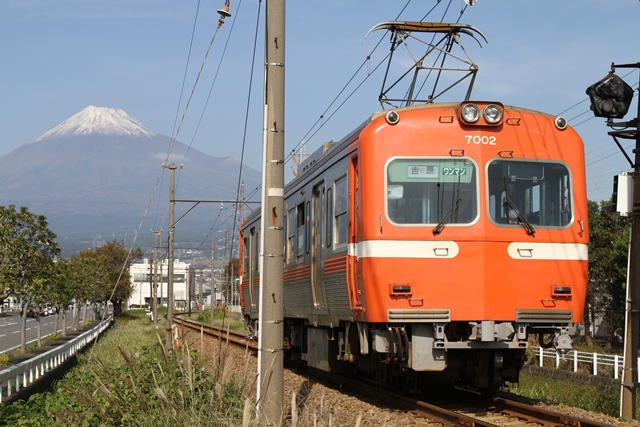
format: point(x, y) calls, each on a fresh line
point(418, 356)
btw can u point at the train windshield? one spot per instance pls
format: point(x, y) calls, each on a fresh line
point(527, 192)
point(425, 190)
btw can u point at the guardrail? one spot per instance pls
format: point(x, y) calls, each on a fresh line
point(29, 371)
point(596, 363)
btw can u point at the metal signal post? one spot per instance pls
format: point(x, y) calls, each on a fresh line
point(610, 98)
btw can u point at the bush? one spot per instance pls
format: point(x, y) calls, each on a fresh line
point(4, 359)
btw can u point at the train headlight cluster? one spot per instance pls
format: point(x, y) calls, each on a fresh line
point(490, 113)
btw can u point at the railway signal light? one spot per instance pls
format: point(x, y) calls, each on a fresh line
point(610, 97)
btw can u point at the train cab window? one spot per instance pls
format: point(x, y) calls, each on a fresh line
point(291, 237)
point(426, 190)
point(529, 193)
point(340, 213)
point(301, 222)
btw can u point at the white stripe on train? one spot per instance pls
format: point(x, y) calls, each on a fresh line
point(450, 249)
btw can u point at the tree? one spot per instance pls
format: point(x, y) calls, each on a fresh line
point(80, 278)
point(116, 260)
point(608, 253)
point(230, 272)
point(27, 251)
point(61, 292)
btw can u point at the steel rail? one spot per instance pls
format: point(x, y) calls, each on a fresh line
point(497, 411)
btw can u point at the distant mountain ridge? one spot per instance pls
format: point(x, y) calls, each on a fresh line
point(94, 175)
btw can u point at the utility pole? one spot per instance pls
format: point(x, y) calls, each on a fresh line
point(200, 296)
point(270, 330)
point(213, 280)
point(161, 282)
point(610, 98)
point(150, 276)
point(228, 265)
point(172, 196)
point(155, 278)
point(241, 218)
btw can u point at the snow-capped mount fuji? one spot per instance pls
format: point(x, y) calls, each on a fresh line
point(99, 120)
point(94, 175)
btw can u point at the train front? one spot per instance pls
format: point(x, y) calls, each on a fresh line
point(471, 235)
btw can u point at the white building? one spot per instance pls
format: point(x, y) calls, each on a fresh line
point(142, 277)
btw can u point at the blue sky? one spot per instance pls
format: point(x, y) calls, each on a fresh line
point(58, 57)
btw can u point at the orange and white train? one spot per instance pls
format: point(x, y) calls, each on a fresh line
point(430, 243)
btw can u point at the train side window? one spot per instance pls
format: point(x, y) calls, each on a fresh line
point(539, 191)
point(307, 227)
point(291, 238)
point(328, 216)
point(255, 257)
point(284, 240)
point(245, 255)
point(340, 214)
point(300, 221)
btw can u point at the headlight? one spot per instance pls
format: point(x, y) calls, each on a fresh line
point(392, 117)
point(492, 114)
point(561, 123)
point(470, 113)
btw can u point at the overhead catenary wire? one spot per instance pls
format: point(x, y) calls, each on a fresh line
point(328, 112)
point(184, 79)
point(159, 180)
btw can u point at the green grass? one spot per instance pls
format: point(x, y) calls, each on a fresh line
point(220, 319)
point(601, 397)
point(129, 380)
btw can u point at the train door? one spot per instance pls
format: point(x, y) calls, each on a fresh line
point(317, 247)
point(353, 235)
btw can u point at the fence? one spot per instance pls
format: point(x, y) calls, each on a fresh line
point(597, 364)
point(29, 371)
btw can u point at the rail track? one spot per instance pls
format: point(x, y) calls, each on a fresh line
point(460, 407)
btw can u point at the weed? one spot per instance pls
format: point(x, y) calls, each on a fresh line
point(590, 397)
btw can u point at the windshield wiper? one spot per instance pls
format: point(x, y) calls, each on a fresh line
point(511, 207)
point(445, 219)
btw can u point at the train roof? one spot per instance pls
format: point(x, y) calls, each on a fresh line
point(454, 105)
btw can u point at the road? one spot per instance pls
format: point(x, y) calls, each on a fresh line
point(10, 330)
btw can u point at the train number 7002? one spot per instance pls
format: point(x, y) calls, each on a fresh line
point(478, 139)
